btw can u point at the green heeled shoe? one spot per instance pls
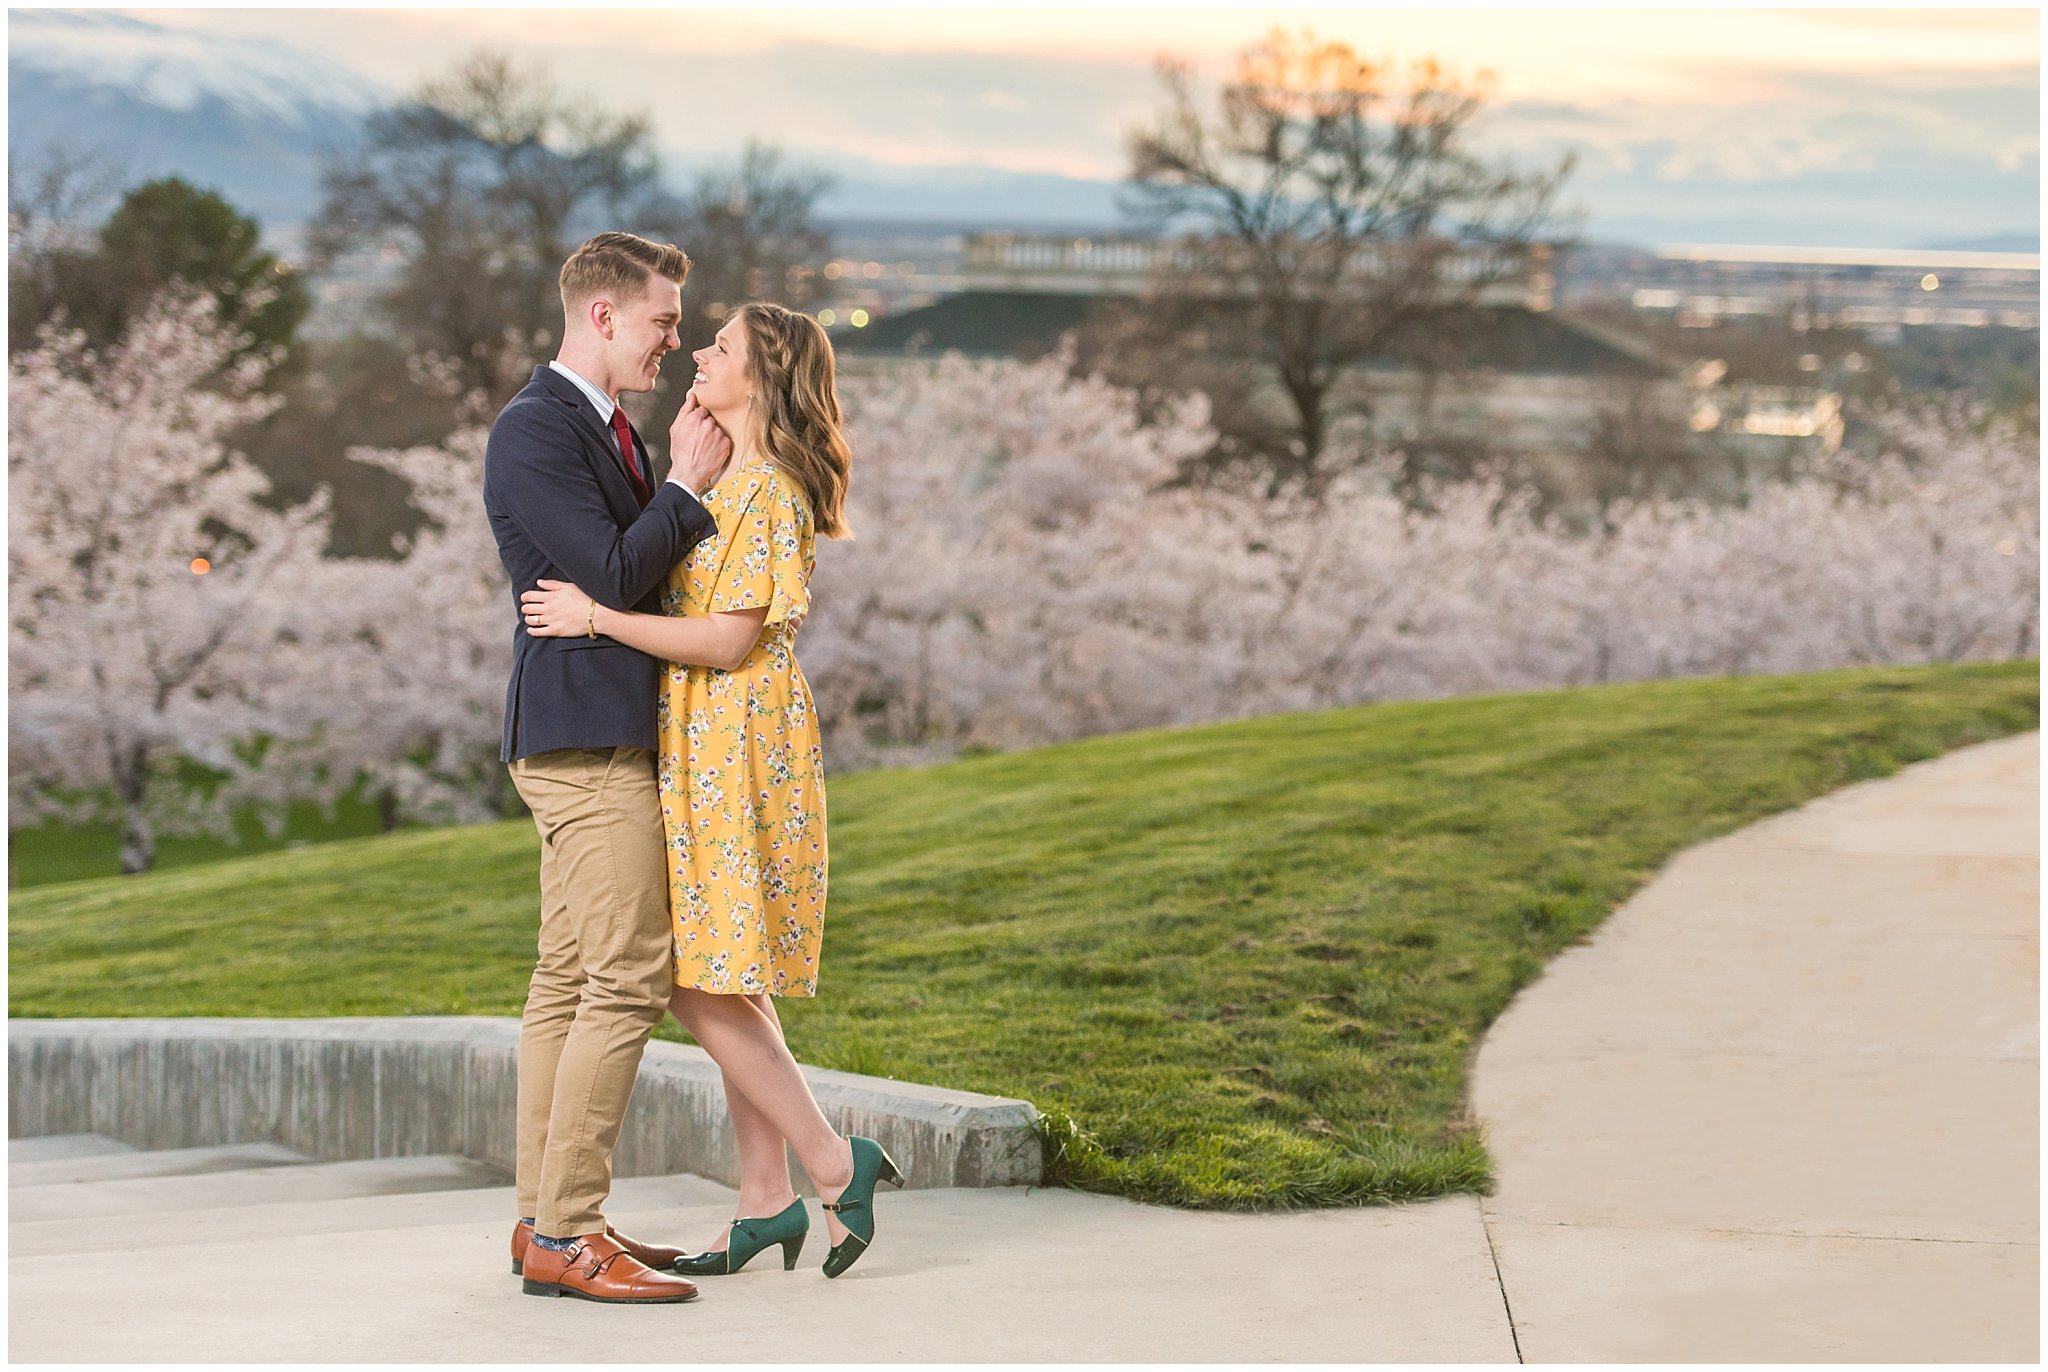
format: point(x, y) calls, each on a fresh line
point(856, 1204)
point(747, 1238)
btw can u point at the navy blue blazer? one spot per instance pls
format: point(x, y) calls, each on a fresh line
point(562, 507)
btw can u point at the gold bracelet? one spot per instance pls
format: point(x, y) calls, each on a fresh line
point(590, 621)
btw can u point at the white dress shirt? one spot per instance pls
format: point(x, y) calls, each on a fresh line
point(605, 405)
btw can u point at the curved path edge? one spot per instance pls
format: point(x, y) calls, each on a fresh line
point(1784, 1103)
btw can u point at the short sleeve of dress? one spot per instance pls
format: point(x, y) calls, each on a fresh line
point(769, 563)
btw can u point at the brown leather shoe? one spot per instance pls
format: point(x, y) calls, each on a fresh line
point(646, 1254)
point(594, 1268)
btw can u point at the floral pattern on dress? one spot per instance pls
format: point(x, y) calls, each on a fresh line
point(741, 770)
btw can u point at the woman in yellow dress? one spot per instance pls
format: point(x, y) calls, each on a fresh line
point(741, 774)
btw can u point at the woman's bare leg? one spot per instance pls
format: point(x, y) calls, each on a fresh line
point(765, 1188)
point(744, 1037)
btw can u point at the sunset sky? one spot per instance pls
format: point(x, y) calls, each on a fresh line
point(1864, 115)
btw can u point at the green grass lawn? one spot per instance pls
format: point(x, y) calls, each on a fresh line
point(40, 854)
point(1242, 965)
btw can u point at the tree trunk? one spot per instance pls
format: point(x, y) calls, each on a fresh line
point(131, 783)
point(387, 809)
point(138, 841)
point(1310, 394)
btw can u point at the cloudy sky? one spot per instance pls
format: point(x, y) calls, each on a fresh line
point(1868, 126)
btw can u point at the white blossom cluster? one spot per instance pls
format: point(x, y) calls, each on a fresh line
point(1025, 572)
point(417, 703)
point(157, 609)
point(1026, 569)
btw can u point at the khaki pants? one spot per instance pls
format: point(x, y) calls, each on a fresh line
point(602, 979)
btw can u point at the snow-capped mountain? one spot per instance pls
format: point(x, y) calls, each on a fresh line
point(255, 119)
point(249, 117)
point(180, 70)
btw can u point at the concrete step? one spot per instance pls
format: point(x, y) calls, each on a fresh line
point(249, 1188)
point(415, 1084)
point(63, 1146)
point(169, 1162)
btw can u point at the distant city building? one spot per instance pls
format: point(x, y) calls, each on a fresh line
point(1526, 379)
point(1878, 290)
point(1042, 264)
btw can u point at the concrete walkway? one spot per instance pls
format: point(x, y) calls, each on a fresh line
point(1783, 1105)
point(1001, 1275)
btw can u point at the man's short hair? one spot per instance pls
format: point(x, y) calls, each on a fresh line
point(616, 266)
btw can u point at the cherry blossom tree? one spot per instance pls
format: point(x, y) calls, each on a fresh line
point(1944, 534)
point(416, 699)
point(1929, 552)
point(1026, 571)
point(997, 508)
point(155, 602)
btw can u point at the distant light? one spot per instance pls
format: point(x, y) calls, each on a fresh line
point(827, 318)
point(1930, 282)
point(906, 269)
point(859, 319)
point(2007, 547)
point(1083, 246)
point(200, 566)
point(832, 270)
point(282, 268)
point(871, 270)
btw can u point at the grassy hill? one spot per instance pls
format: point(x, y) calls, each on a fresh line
point(40, 854)
point(1242, 965)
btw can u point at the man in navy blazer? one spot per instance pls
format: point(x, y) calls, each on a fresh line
point(571, 497)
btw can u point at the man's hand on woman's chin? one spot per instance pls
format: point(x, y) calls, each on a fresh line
point(699, 448)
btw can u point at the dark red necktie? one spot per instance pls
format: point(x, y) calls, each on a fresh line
point(624, 433)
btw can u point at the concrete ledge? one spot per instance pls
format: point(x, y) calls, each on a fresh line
point(377, 1088)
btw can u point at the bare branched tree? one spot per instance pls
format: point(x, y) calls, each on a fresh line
point(483, 182)
point(57, 194)
point(486, 180)
point(752, 235)
point(750, 230)
point(1328, 206)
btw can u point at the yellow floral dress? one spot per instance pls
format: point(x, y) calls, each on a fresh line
point(741, 771)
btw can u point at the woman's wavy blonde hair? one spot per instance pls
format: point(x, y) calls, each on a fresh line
point(795, 420)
